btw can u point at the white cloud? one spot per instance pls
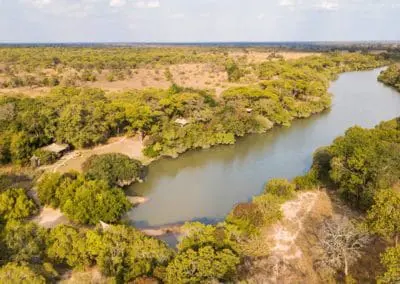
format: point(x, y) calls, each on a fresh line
point(287, 3)
point(147, 4)
point(117, 3)
point(153, 4)
point(40, 3)
point(327, 5)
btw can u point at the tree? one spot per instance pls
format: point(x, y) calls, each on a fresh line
point(94, 201)
point(47, 189)
point(15, 204)
point(384, 216)
point(203, 265)
point(391, 261)
point(342, 243)
point(65, 244)
point(14, 273)
point(116, 169)
point(126, 253)
point(24, 241)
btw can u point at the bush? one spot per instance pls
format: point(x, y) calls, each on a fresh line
point(126, 253)
point(15, 204)
point(47, 188)
point(247, 217)
point(94, 201)
point(201, 266)
point(84, 201)
point(22, 274)
point(280, 187)
point(115, 169)
point(24, 241)
point(45, 157)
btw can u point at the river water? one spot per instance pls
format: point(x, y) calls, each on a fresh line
point(204, 185)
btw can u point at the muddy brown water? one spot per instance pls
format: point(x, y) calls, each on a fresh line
point(204, 185)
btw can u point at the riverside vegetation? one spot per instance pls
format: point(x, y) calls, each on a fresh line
point(85, 117)
point(362, 167)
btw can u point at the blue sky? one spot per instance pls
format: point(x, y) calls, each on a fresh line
point(198, 20)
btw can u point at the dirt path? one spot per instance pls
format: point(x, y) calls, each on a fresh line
point(286, 232)
point(292, 242)
point(131, 147)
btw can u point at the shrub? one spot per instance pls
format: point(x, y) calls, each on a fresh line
point(45, 157)
point(15, 204)
point(204, 265)
point(280, 187)
point(22, 274)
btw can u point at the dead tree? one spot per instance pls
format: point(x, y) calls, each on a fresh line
point(342, 243)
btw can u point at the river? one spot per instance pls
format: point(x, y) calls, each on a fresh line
point(204, 185)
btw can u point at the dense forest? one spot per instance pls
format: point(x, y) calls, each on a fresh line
point(362, 167)
point(84, 117)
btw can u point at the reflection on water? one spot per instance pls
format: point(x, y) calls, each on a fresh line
point(204, 185)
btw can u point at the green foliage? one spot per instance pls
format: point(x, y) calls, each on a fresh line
point(115, 169)
point(365, 160)
point(24, 241)
point(391, 261)
point(95, 201)
point(15, 204)
point(47, 188)
point(126, 253)
point(197, 235)
point(202, 265)
point(21, 274)
point(233, 70)
point(308, 181)
point(82, 200)
point(383, 217)
point(45, 157)
point(391, 76)
point(87, 117)
point(280, 187)
point(65, 244)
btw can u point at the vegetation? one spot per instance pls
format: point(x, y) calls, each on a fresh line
point(391, 76)
point(15, 204)
point(82, 200)
point(115, 169)
point(391, 260)
point(86, 117)
point(363, 165)
point(364, 161)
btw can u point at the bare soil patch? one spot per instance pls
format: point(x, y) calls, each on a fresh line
point(129, 146)
point(50, 218)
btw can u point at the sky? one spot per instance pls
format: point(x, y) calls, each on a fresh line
point(198, 20)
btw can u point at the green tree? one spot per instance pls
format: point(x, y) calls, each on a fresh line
point(15, 204)
point(24, 241)
point(65, 244)
point(391, 261)
point(383, 217)
point(95, 201)
point(47, 189)
point(126, 253)
point(204, 265)
point(116, 169)
point(21, 274)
